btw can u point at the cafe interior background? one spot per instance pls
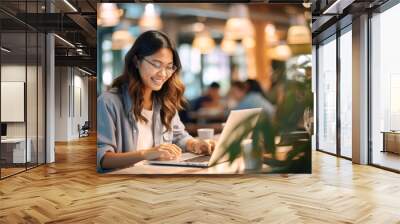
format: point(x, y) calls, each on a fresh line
point(218, 45)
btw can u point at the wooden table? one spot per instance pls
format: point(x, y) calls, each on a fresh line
point(237, 167)
point(391, 141)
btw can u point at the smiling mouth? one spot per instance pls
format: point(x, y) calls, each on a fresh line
point(156, 81)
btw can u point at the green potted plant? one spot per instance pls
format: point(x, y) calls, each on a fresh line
point(294, 108)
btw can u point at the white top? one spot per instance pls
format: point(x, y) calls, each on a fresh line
point(145, 135)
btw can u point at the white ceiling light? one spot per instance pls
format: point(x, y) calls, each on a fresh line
point(150, 19)
point(84, 71)
point(80, 51)
point(108, 14)
point(238, 25)
point(338, 6)
point(5, 50)
point(70, 5)
point(65, 41)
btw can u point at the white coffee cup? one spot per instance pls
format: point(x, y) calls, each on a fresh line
point(252, 160)
point(205, 133)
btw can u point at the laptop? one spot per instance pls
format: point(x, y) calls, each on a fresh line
point(193, 160)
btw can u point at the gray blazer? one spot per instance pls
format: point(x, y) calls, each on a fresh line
point(117, 129)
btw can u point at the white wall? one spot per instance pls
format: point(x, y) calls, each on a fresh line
point(61, 103)
point(79, 110)
point(70, 83)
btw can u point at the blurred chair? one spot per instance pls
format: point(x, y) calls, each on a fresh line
point(84, 130)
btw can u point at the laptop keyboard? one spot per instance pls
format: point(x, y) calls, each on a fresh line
point(198, 159)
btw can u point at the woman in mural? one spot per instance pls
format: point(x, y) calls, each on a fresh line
point(137, 117)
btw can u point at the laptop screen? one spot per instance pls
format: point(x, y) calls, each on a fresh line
point(235, 118)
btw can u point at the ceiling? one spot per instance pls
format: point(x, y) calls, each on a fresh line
point(330, 15)
point(77, 27)
point(214, 15)
point(214, 1)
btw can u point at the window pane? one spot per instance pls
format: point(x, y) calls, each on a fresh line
point(13, 85)
point(31, 97)
point(346, 94)
point(385, 88)
point(327, 97)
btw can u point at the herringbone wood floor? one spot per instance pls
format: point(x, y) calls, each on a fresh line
point(70, 191)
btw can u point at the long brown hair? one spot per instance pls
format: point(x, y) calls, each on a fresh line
point(170, 95)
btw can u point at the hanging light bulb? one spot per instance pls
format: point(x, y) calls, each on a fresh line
point(228, 46)
point(108, 14)
point(281, 52)
point(299, 34)
point(198, 27)
point(306, 4)
point(238, 25)
point(271, 36)
point(269, 29)
point(248, 42)
point(150, 19)
point(203, 42)
point(121, 39)
point(107, 77)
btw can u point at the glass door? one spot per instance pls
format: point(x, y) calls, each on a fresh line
point(327, 96)
point(22, 77)
point(385, 89)
point(346, 92)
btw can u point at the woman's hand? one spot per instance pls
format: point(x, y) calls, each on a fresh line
point(199, 146)
point(163, 152)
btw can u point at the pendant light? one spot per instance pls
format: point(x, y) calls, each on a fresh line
point(108, 14)
point(203, 42)
point(150, 19)
point(238, 25)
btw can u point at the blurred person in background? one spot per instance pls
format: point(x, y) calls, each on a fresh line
point(211, 98)
point(209, 107)
point(206, 106)
point(249, 94)
point(138, 117)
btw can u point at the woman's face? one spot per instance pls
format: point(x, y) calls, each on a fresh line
point(157, 68)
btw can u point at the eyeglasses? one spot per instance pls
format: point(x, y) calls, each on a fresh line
point(170, 69)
